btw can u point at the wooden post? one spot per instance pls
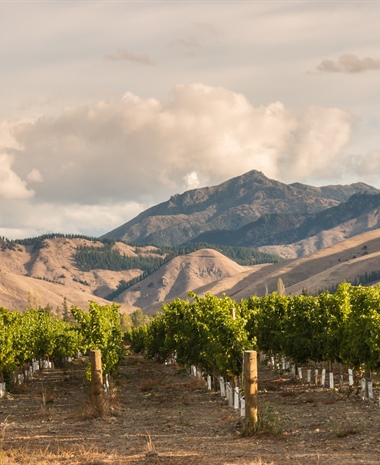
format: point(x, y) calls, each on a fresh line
point(96, 381)
point(250, 385)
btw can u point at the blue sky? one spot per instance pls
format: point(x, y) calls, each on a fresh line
point(110, 107)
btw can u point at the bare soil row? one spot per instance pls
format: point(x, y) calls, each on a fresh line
point(160, 414)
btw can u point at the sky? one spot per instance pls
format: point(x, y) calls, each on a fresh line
point(110, 107)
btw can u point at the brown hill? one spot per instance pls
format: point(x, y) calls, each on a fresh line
point(46, 275)
point(49, 274)
point(18, 292)
point(179, 276)
point(322, 270)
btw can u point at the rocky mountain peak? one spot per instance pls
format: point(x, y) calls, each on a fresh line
point(229, 206)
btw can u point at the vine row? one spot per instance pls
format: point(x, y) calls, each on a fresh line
point(212, 332)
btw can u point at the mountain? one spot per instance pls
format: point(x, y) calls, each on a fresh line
point(326, 234)
point(285, 228)
point(230, 206)
point(46, 272)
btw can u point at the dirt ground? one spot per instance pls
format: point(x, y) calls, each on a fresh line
point(158, 414)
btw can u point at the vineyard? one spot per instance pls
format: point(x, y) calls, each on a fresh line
point(37, 335)
point(314, 350)
point(212, 332)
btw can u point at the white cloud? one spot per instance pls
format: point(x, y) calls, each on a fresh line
point(6, 138)
point(33, 219)
point(12, 187)
point(142, 149)
point(191, 180)
point(95, 166)
point(90, 148)
point(98, 219)
point(366, 166)
point(318, 142)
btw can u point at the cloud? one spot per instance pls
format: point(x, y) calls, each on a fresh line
point(191, 180)
point(35, 176)
point(30, 219)
point(144, 150)
point(366, 166)
point(123, 55)
point(11, 186)
point(317, 143)
point(197, 39)
point(349, 63)
point(189, 47)
point(7, 141)
point(97, 218)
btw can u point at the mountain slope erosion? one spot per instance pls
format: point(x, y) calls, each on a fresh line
point(322, 270)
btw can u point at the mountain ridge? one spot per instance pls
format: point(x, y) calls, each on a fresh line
point(327, 234)
point(229, 206)
point(275, 228)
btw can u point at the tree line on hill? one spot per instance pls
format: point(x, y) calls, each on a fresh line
point(89, 258)
point(107, 258)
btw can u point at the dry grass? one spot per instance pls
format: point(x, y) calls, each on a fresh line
point(150, 385)
point(54, 454)
point(87, 411)
point(149, 442)
point(309, 400)
point(289, 393)
point(344, 430)
point(329, 401)
point(178, 425)
point(268, 423)
point(4, 425)
point(110, 406)
point(258, 461)
point(195, 383)
point(47, 398)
